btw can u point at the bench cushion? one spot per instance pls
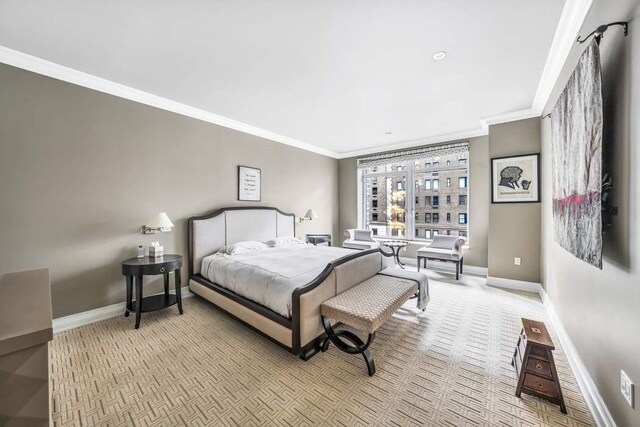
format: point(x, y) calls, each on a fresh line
point(369, 304)
point(445, 254)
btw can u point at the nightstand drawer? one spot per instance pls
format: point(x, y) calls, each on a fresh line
point(539, 384)
point(539, 367)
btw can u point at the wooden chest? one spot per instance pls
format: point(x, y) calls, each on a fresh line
point(533, 360)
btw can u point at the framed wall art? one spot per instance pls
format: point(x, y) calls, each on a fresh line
point(249, 184)
point(515, 179)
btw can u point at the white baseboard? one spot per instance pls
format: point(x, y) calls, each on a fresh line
point(447, 266)
point(592, 396)
point(520, 285)
point(73, 321)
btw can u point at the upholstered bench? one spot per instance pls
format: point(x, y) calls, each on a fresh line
point(364, 307)
point(446, 249)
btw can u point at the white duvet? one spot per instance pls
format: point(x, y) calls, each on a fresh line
point(270, 276)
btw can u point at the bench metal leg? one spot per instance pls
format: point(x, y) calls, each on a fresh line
point(357, 346)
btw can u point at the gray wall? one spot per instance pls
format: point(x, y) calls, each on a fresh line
point(476, 255)
point(514, 228)
point(600, 309)
point(81, 171)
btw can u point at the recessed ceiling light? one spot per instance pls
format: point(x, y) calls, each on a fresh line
point(388, 133)
point(439, 55)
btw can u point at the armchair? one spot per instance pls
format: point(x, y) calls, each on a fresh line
point(444, 248)
point(359, 239)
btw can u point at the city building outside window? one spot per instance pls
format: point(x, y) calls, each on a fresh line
point(384, 183)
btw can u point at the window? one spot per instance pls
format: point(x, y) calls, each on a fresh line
point(448, 232)
point(435, 233)
point(402, 193)
point(462, 233)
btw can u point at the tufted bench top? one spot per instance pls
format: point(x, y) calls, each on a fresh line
point(369, 304)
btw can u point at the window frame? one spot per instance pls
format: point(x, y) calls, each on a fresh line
point(410, 173)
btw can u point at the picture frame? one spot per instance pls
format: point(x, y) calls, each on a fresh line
point(249, 184)
point(515, 179)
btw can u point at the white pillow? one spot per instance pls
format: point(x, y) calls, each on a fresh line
point(284, 241)
point(243, 247)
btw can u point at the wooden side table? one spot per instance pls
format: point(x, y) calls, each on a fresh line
point(318, 239)
point(533, 360)
point(136, 268)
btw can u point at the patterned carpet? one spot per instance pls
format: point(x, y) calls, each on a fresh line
point(449, 366)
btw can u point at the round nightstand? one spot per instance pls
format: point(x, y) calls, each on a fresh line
point(148, 266)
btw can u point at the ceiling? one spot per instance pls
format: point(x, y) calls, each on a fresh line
point(333, 75)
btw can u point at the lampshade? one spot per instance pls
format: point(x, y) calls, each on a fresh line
point(161, 220)
point(311, 214)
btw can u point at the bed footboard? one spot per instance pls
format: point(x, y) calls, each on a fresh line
point(337, 277)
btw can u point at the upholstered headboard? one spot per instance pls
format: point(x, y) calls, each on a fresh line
point(226, 226)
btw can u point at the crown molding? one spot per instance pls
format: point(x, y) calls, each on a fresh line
point(512, 116)
point(571, 20)
point(50, 69)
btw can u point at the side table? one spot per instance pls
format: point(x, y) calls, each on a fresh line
point(318, 239)
point(135, 268)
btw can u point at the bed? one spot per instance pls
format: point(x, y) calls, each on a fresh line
point(278, 291)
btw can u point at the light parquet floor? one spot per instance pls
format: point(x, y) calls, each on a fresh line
point(449, 366)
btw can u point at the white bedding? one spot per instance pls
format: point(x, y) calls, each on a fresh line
point(270, 276)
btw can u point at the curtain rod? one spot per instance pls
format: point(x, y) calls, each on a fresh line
point(598, 33)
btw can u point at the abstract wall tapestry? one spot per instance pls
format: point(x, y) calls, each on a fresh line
point(576, 161)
